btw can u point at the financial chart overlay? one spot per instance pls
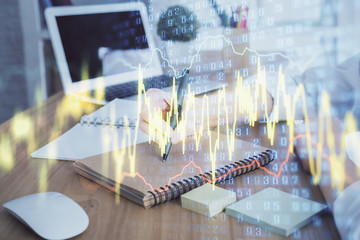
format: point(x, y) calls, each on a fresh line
point(277, 88)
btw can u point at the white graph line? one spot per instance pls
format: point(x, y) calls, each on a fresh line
point(125, 63)
point(228, 41)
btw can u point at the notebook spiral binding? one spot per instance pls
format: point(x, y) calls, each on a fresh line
point(107, 121)
point(229, 171)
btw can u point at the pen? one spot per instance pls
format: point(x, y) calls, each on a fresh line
point(175, 116)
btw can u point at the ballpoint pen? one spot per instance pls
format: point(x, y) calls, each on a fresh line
point(175, 116)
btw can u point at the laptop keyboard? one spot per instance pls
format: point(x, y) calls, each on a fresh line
point(131, 88)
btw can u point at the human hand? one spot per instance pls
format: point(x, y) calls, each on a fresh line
point(153, 116)
point(150, 121)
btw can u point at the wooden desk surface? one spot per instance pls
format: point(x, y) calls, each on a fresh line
point(126, 220)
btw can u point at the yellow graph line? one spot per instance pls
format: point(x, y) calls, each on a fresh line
point(246, 103)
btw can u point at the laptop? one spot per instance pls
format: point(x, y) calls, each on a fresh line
point(99, 49)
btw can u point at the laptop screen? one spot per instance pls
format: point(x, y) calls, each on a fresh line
point(103, 44)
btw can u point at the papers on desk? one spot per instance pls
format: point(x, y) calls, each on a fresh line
point(276, 211)
point(101, 131)
point(208, 200)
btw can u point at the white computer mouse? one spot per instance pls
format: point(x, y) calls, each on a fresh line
point(52, 215)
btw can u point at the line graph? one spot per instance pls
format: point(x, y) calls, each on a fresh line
point(245, 94)
point(299, 67)
point(245, 102)
point(192, 163)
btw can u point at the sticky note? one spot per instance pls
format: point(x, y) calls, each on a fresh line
point(207, 200)
point(276, 211)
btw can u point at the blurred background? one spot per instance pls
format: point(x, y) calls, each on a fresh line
point(29, 75)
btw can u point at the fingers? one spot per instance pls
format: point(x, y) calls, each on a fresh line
point(167, 98)
point(158, 127)
point(176, 137)
point(153, 122)
point(152, 114)
point(183, 130)
point(144, 126)
point(159, 99)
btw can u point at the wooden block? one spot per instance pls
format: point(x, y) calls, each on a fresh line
point(276, 211)
point(206, 200)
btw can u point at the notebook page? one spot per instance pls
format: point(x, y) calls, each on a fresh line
point(275, 210)
point(85, 140)
point(117, 108)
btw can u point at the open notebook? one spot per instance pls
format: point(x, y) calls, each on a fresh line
point(99, 132)
point(156, 182)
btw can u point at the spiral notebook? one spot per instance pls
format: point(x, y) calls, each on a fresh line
point(99, 132)
point(156, 182)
